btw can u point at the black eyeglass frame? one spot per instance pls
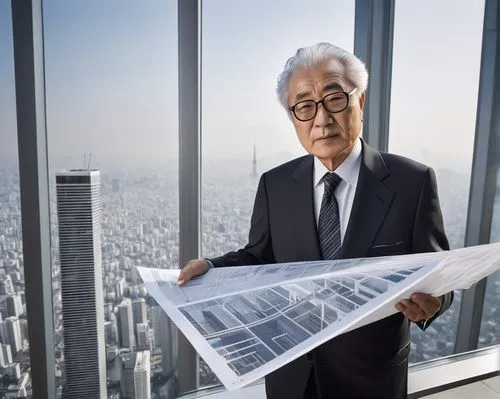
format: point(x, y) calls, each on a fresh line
point(322, 101)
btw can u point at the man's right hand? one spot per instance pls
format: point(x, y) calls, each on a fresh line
point(193, 268)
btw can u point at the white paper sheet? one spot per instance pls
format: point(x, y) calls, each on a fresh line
point(248, 321)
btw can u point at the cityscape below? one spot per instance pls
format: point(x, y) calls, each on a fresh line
point(138, 210)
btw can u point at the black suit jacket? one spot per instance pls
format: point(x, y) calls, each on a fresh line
point(395, 211)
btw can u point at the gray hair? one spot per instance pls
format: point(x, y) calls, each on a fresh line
point(309, 56)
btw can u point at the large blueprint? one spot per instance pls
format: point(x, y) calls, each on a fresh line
point(248, 321)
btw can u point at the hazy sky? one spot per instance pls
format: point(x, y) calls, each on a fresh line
point(111, 76)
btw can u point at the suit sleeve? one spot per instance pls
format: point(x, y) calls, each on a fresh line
point(428, 231)
point(259, 248)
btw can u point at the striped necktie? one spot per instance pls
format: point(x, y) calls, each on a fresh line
point(329, 221)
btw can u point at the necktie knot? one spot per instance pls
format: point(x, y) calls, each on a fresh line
point(331, 180)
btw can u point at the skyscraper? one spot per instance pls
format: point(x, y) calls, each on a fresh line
point(12, 334)
point(3, 362)
point(126, 324)
point(139, 311)
point(79, 219)
point(14, 305)
point(135, 381)
point(165, 334)
point(7, 353)
point(143, 339)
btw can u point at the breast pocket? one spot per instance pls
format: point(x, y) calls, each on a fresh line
point(388, 249)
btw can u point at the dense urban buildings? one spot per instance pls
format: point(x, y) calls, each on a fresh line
point(140, 227)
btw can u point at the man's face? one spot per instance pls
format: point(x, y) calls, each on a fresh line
point(328, 136)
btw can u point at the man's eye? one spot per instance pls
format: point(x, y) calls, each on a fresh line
point(304, 107)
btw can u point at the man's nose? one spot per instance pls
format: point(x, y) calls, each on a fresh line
point(323, 117)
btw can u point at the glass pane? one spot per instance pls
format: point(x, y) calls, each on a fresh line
point(489, 333)
point(14, 345)
point(433, 111)
point(111, 82)
point(244, 128)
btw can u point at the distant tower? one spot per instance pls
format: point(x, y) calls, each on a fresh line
point(136, 374)
point(139, 311)
point(165, 335)
point(254, 172)
point(12, 334)
point(14, 305)
point(126, 324)
point(79, 219)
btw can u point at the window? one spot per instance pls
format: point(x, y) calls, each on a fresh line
point(14, 346)
point(490, 321)
point(245, 131)
point(433, 110)
point(112, 92)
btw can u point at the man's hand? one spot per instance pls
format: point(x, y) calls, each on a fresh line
point(193, 268)
point(420, 307)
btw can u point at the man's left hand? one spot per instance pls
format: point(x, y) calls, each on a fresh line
point(420, 307)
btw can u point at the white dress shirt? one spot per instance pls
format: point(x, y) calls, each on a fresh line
point(348, 171)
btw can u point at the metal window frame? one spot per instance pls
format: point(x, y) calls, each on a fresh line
point(373, 44)
point(27, 29)
point(189, 30)
point(484, 172)
point(373, 39)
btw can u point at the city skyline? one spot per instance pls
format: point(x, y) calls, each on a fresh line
point(140, 227)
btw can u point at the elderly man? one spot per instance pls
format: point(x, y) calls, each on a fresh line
point(343, 200)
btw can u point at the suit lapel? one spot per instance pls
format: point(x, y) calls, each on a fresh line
point(302, 203)
point(371, 203)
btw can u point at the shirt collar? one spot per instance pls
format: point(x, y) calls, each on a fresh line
point(347, 170)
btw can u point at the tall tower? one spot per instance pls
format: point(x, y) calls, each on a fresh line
point(166, 338)
point(135, 376)
point(12, 334)
point(126, 324)
point(139, 311)
point(79, 219)
point(254, 171)
point(14, 305)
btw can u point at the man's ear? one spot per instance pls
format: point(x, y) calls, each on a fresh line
point(362, 99)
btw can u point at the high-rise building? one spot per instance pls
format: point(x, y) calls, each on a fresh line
point(14, 305)
point(79, 219)
point(12, 334)
point(165, 334)
point(143, 339)
point(135, 378)
point(157, 314)
point(120, 288)
point(126, 324)
point(139, 311)
point(23, 324)
point(3, 362)
point(7, 353)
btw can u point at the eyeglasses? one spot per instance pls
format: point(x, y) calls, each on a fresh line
point(333, 103)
